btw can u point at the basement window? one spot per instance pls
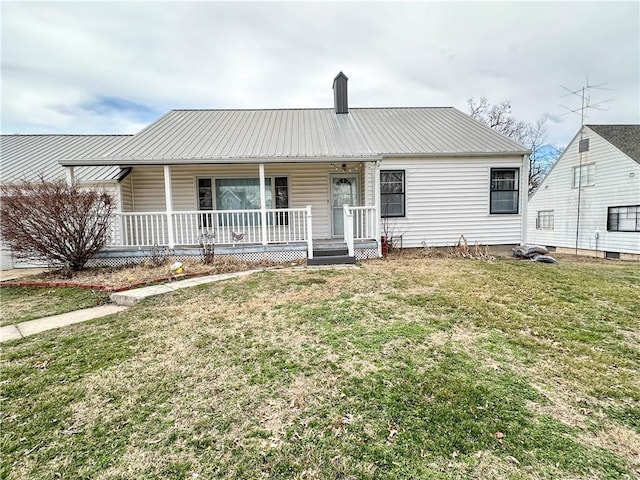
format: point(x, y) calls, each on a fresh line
point(624, 219)
point(504, 190)
point(544, 221)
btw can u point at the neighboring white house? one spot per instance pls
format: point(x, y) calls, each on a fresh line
point(590, 200)
point(287, 180)
point(30, 157)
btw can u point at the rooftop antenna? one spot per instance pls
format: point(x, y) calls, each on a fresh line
point(583, 146)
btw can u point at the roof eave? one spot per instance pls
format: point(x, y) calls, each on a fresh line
point(130, 162)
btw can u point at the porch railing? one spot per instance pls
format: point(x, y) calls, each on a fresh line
point(359, 224)
point(228, 227)
point(364, 222)
point(231, 227)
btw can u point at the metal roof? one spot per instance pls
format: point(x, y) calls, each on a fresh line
point(303, 135)
point(27, 157)
point(625, 138)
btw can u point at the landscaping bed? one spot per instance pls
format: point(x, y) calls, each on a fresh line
point(110, 279)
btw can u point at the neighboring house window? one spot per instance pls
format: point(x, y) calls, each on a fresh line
point(392, 193)
point(588, 175)
point(504, 190)
point(544, 220)
point(624, 219)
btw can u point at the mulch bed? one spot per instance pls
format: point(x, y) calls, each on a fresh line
point(103, 288)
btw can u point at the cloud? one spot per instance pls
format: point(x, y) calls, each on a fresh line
point(112, 67)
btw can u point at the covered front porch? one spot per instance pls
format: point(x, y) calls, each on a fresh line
point(340, 207)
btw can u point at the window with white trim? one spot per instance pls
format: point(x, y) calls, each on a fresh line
point(392, 193)
point(588, 175)
point(243, 194)
point(623, 219)
point(504, 190)
point(205, 200)
point(544, 221)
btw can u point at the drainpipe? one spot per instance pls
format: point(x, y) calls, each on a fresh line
point(263, 206)
point(168, 199)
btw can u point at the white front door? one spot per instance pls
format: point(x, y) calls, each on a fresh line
point(344, 190)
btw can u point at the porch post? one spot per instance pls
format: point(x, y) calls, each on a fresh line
point(168, 199)
point(376, 202)
point(263, 205)
point(71, 178)
point(309, 233)
point(524, 197)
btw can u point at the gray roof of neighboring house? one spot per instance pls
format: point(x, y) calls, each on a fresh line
point(27, 157)
point(625, 138)
point(305, 134)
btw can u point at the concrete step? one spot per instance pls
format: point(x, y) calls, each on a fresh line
point(331, 260)
point(330, 252)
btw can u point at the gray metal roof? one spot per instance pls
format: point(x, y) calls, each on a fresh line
point(27, 157)
point(304, 134)
point(625, 138)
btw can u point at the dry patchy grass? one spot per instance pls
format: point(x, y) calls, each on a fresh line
point(406, 368)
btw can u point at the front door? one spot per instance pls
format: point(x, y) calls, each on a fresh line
point(344, 190)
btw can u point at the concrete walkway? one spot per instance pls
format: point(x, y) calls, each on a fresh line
point(122, 300)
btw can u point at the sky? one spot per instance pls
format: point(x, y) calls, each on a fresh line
point(114, 67)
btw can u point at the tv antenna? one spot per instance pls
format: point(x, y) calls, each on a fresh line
point(583, 146)
point(584, 93)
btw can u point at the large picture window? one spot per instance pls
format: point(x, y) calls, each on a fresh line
point(624, 219)
point(504, 190)
point(392, 193)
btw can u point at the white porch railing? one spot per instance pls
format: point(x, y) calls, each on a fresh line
point(139, 229)
point(229, 227)
point(232, 227)
point(359, 224)
point(364, 222)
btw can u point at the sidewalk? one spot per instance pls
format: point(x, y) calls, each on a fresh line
point(122, 301)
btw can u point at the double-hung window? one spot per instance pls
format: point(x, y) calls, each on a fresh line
point(624, 219)
point(504, 190)
point(392, 193)
point(588, 175)
point(205, 201)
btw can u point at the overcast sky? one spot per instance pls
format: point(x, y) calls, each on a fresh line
point(113, 67)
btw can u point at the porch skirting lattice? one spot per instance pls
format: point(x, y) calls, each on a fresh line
point(271, 253)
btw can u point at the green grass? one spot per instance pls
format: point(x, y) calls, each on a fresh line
point(20, 304)
point(410, 368)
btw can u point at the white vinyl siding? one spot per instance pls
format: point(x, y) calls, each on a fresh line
point(444, 197)
point(449, 197)
point(617, 183)
point(308, 184)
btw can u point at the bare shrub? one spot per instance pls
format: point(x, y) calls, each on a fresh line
point(54, 222)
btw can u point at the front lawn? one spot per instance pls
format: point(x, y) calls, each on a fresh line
point(19, 304)
point(407, 368)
